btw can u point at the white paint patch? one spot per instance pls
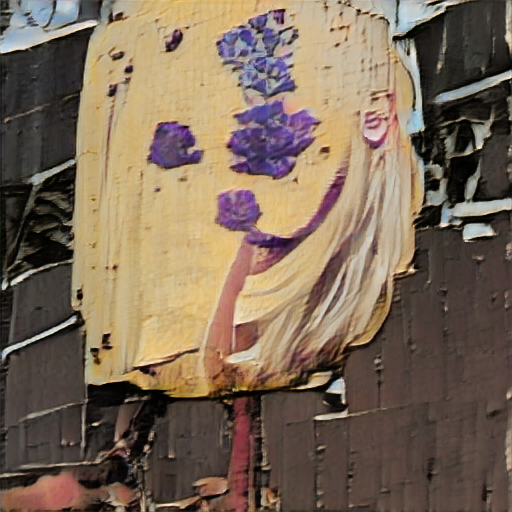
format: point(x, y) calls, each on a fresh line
point(29, 273)
point(415, 12)
point(338, 388)
point(27, 37)
point(474, 231)
point(477, 209)
point(38, 178)
point(469, 90)
point(72, 320)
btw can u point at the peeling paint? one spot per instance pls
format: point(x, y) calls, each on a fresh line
point(26, 38)
point(72, 320)
point(469, 90)
point(473, 231)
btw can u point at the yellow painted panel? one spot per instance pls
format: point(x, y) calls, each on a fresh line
point(149, 257)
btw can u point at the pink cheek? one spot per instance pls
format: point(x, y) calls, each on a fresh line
point(375, 130)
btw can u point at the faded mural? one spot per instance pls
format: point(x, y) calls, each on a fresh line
point(241, 240)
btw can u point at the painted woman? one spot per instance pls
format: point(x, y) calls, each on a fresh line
point(245, 195)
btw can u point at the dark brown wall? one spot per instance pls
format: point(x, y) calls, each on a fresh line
point(428, 431)
point(42, 386)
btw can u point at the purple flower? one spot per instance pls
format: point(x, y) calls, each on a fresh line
point(258, 22)
point(302, 122)
point(237, 46)
point(238, 210)
point(278, 16)
point(270, 140)
point(261, 37)
point(267, 75)
point(270, 40)
point(262, 114)
point(174, 41)
point(171, 144)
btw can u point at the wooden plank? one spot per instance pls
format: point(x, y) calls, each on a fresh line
point(332, 445)
point(395, 426)
point(71, 433)
point(41, 139)
point(33, 312)
point(394, 387)
point(279, 410)
point(14, 451)
point(361, 379)
point(42, 439)
point(191, 442)
point(455, 457)
point(299, 471)
point(44, 73)
point(420, 460)
point(365, 460)
point(47, 374)
point(501, 490)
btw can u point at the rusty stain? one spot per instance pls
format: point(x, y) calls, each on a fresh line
point(95, 352)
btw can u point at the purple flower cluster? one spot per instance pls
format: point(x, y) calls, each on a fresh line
point(171, 145)
point(238, 210)
point(257, 51)
point(271, 140)
point(268, 76)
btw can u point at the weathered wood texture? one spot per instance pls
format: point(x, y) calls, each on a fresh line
point(288, 437)
point(464, 45)
point(41, 302)
point(445, 349)
point(427, 398)
point(50, 438)
point(436, 440)
point(191, 442)
point(40, 95)
point(42, 387)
